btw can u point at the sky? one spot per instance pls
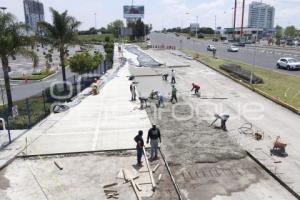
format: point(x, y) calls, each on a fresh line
point(161, 13)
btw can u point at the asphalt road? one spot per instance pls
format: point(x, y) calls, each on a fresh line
point(22, 90)
point(264, 57)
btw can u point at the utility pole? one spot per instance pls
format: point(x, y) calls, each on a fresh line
point(242, 24)
point(196, 26)
point(215, 25)
point(95, 20)
point(234, 19)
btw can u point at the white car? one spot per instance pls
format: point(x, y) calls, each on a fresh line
point(233, 49)
point(288, 63)
point(211, 48)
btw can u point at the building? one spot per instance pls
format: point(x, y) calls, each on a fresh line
point(261, 15)
point(34, 13)
point(250, 35)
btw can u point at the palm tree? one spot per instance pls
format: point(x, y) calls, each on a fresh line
point(61, 33)
point(12, 41)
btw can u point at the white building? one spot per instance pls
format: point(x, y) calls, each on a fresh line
point(34, 13)
point(261, 15)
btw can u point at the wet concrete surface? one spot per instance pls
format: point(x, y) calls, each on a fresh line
point(143, 58)
point(207, 163)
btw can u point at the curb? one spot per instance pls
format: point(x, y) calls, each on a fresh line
point(241, 82)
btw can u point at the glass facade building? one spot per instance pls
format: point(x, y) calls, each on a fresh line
point(261, 15)
point(34, 13)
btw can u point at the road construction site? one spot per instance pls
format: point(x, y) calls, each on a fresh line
point(88, 152)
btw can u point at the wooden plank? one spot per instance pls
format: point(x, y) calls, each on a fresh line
point(110, 185)
point(159, 178)
point(155, 168)
point(110, 191)
point(150, 171)
point(135, 189)
point(138, 187)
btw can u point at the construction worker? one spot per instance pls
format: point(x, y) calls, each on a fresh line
point(143, 101)
point(196, 88)
point(223, 117)
point(174, 94)
point(160, 99)
point(214, 52)
point(173, 81)
point(154, 136)
point(133, 91)
point(165, 76)
point(139, 147)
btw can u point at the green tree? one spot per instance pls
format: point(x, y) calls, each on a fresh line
point(62, 32)
point(290, 31)
point(85, 62)
point(115, 27)
point(12, 42)
point(278, 32)
point(109, 50)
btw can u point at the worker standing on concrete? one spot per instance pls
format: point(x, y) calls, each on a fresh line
point(133, 91)
point(174, 94)
point(154, 136)
point(196, 88)
point(139, 147)
point(160, 99)
point(173, 81)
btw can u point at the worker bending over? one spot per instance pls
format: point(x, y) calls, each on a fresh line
point(196, 88)
point(223, 117)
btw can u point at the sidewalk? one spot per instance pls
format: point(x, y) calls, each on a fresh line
point(106, 121)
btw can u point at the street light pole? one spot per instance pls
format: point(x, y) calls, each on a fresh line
point(3, 9)
point(196, 26)
point(95, 20)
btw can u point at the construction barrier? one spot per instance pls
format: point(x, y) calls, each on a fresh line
point(162, 46)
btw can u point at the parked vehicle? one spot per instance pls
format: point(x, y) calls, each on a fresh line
point(211, 48)
point(288, 63)
point(232, 48)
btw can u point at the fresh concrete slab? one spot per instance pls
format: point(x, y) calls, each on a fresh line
point(244, 106)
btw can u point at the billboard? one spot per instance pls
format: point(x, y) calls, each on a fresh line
point(133, 12)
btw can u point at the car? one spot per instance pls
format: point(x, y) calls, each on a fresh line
point(188, 37)
point(225, 42)
point(211, 48)
point(241, 44)
point(215, 39)
point(288, 63)
point(232, 49)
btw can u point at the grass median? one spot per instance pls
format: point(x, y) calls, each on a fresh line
point(280, 86)
point(34, 77)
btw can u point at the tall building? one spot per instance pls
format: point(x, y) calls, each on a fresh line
point(34, 13)
point(261, 15)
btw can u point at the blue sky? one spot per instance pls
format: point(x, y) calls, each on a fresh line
point(161, 13)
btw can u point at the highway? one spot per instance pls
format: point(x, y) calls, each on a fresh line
point(260, 56)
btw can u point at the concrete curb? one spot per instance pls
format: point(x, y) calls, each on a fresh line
point(283, 104)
